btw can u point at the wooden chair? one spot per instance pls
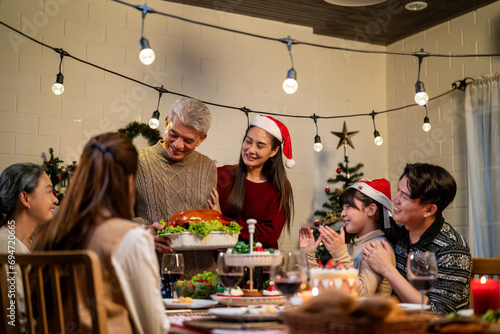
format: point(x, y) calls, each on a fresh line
point(482, 267)
point(55, 310)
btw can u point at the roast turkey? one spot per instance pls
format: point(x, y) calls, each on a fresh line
point(195, 216)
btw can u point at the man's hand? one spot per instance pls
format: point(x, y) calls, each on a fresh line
point(162, 245)
point(379, 258)
point(213, 203)
point(306, 238)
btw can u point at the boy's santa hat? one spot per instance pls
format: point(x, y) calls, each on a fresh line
point(379, 190)
point(279, 131)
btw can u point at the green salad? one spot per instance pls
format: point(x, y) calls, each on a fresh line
point(201, 286)
point(202, 229)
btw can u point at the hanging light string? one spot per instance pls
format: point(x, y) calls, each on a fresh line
point(299, 42)
point(456, 85)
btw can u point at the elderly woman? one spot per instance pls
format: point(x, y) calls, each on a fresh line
point(26, 201)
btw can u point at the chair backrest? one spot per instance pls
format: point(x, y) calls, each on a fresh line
point(483, 267)
point(62, 273)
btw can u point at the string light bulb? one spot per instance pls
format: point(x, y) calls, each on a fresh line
point(318, 147)
point(147, 55)
point(378, 140)
point(58, 87)
point(290, 85)
point(421, 97)
point(426, 126)
point(154, 122)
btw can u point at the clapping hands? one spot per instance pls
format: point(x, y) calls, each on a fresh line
point(306, 238)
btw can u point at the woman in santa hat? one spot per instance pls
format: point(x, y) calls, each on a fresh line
point(366, 207)
point(258, 186)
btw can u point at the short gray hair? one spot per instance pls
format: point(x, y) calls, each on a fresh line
point(192, 113)
point(15, 179)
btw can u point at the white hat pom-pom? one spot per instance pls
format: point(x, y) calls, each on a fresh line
point(290, 163)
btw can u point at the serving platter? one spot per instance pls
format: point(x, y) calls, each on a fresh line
point(172, 303)
point(254, 259)
point(246, 301)
point(244, 313)
point(192, 241)
point(413, 308)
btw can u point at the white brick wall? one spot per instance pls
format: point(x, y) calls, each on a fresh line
point(236, 70)
point(445, 143)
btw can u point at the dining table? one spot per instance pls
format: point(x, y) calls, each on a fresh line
point(201, 321)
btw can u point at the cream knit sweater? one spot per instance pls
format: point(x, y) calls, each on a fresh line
point(164, 188)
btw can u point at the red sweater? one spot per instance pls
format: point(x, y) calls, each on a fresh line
point(261, 203)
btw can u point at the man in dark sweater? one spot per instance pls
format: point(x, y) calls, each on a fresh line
point(424, 191)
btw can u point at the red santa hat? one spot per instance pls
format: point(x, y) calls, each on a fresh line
point(379, 190)
point(279, 131)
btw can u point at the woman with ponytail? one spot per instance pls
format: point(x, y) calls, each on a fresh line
point(96, 215)
point(258, 186)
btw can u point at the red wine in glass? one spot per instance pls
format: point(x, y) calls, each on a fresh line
point(170, 278)
point(229, 275)
point(230, 280)
point(288, 287)
point(423, 284)
point(172, 269)
point(422, 272)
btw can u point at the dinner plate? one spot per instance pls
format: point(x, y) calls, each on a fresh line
point(171, 303)
point(246, 301)
point(244, 313)
point(411, 308)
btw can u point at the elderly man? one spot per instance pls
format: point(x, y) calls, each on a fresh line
point(173, 177)
point(424, 191)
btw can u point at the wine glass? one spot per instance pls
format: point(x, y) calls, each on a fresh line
point(289, 271)
point(172, 269)
point(422, 272)
point(229, 276)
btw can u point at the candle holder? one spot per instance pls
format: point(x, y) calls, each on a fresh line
point(485, 295)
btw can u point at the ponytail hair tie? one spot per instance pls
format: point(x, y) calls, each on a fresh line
point(101, 148)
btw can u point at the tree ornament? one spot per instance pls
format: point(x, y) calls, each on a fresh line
point(338, 170)
point(135, 129)
point(316, 223)
point(327, 189)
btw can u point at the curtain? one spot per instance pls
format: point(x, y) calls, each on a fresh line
point(482, 115)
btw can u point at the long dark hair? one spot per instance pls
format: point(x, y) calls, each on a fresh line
point(274, 171)
point(15, 179)
point(100, 190)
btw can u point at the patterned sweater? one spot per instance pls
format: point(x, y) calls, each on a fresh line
point(451, 291)
point(164, 188)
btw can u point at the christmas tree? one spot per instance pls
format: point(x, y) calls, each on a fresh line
point(57, 174)
point(346, 176)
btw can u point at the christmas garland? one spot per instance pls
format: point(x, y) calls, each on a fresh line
point(135, 129)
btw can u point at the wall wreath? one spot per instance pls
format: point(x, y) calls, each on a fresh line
point(135, 129)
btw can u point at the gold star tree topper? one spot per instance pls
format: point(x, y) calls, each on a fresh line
point(345, 137)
